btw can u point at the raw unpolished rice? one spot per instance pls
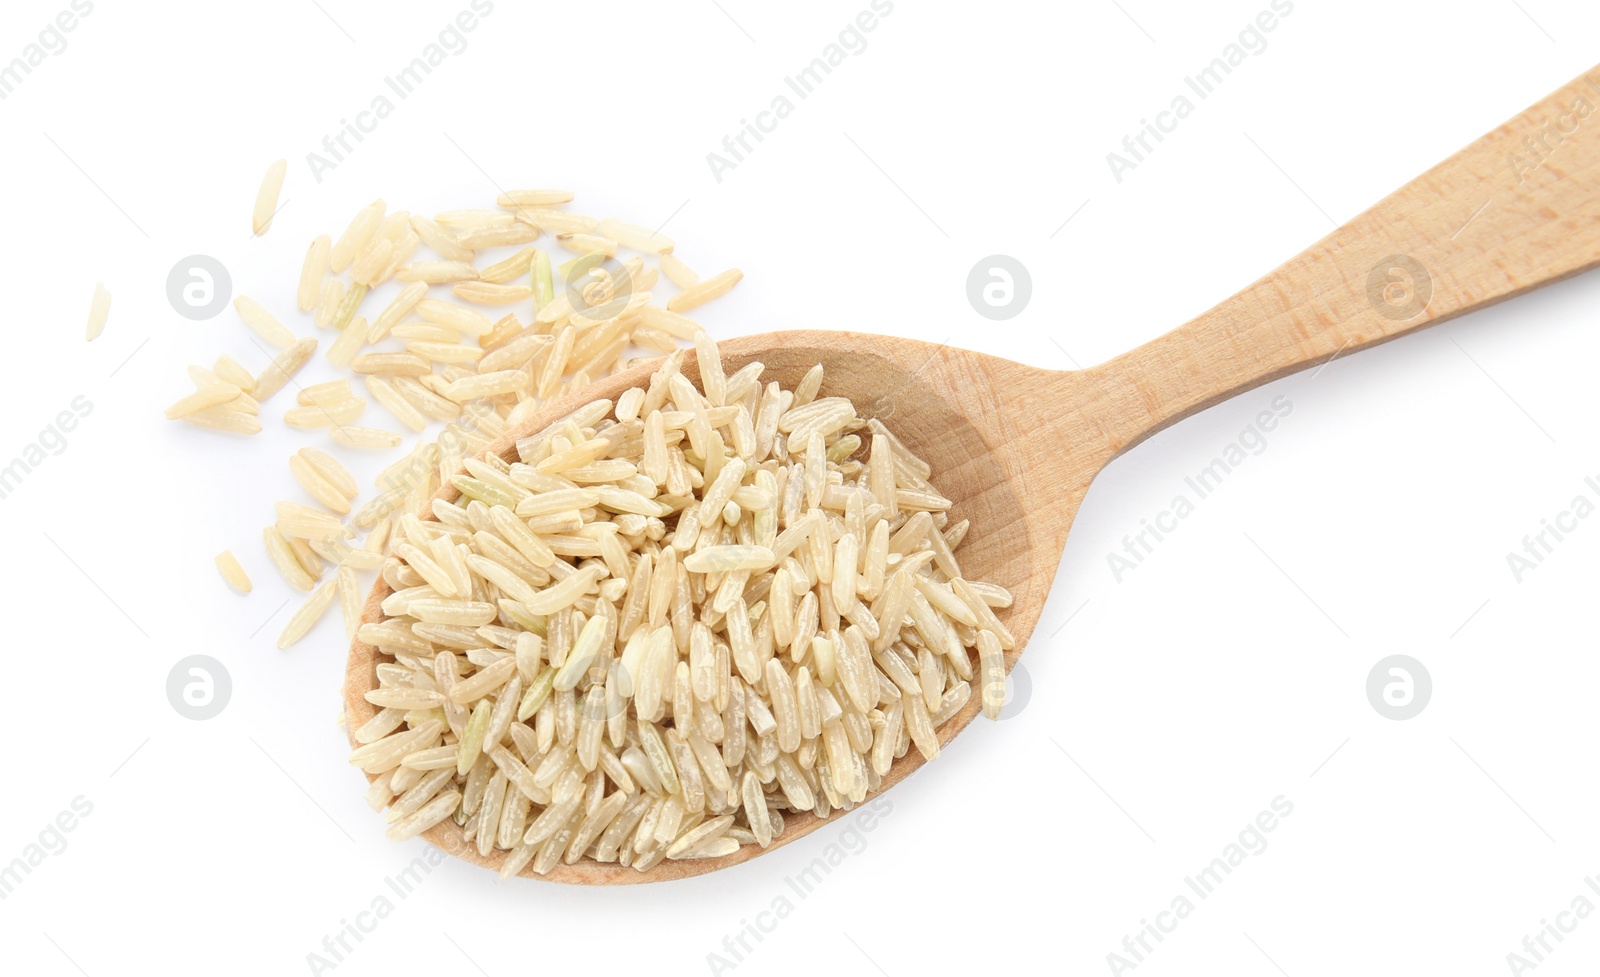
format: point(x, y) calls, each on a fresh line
point(438, 272)
point(99, 311)
point(309, 613)
point(479, 360)
point(488, 292)
point(267, 196)
point(356, 237)
point(342, 351)
point(704, 291)
point(228, 566)
point(283, 558)
point(328, 491)
point(325, 415)
point(507, 269)
point(634, 236)
point(224, 419)
point(311, 272)
point(229, 370)
point(263, 322)
point(350, 598)
point(584, 244)
point(495, 236)
point(677, 272)
point(387, 395)
point(328, 302)
point(365, 437)
point(557, 221)
point(283, 367)
point(440, 240)
point(533, 198)
point(330, 392)
point(211, 395)
point(661, 637)
point(330, 468)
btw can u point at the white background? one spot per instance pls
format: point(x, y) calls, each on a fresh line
point(1166, 709)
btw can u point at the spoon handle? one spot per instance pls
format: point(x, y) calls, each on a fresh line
point(1517, 209)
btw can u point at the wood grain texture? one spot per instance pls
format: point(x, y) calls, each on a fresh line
point(1016, 447)
point(1517, 209)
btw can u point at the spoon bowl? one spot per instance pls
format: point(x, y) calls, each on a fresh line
point(1015, 448)
point(926, 395)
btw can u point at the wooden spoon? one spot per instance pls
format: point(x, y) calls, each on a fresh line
point(1016, 447)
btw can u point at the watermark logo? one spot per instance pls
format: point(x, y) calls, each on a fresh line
point(1399, 687)
point(51, 41)
point(1552, 133)
point(850, 841)
point(1399, 287)
point(199, 687)
point(618, 688)
point(1014, 694)
point(999, 287)
point(337, 947)
point(1251, 41)
point(51, 840)
point(1251, 442)
point(451, 41)
point(1536, 946)
point(598, 288)
point(852, 40)
point(1250, 841)
point(1553, 532)
point(199, 287)
point(882, 408)
point(51, 441)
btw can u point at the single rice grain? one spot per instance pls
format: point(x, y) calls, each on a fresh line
point(635, 237)
point(309, 614)
point(704, 291)
point(312, 272)
point(438, 272)
point(259, 319)
point(267, 197)
point(232, 572)
point(533, 198)
point(99, 311)
point(677, 272)
point(225, 420)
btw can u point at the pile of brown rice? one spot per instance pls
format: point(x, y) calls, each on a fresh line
point(673, 622)
point(478, 328)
